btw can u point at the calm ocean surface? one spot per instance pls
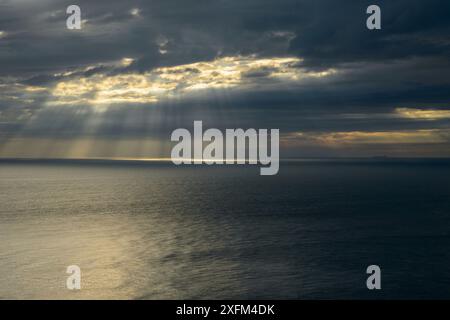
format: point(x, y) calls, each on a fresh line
point(156, 231)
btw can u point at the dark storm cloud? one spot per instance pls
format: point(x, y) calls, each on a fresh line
point(332, 32)
point(322, 32)
point(405, 64)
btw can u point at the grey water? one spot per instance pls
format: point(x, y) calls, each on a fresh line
point(159, 231)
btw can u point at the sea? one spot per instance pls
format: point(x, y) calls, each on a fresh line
point(153, 230)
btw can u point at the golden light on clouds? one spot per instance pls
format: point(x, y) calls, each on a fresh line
point(126, 62)
point(227, 72)
point(371, 137)
point(100, 89)
point(423, 113)
point(35, 89)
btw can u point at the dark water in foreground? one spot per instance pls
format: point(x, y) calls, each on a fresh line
point(154, 231)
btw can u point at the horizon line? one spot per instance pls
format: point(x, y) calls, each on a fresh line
point(164, 159)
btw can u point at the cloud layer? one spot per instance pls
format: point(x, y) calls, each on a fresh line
point(139, 69)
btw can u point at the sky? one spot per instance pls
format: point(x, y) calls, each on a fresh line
point(137, 70)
